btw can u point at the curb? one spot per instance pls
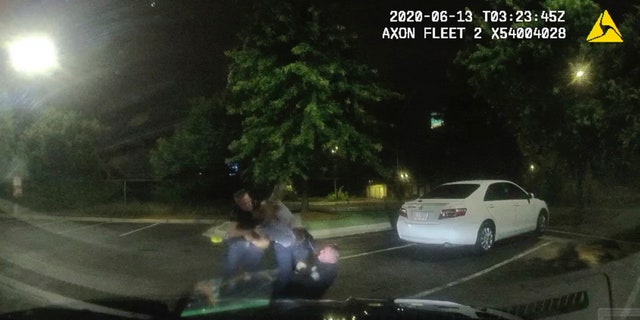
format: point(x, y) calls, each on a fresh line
point(349, 231)
point(15, 210)
point(113, 220)
point(220, 230)
point(118, 220)
point(8, 208)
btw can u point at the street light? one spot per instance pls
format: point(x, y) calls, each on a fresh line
point(30, 55)
point(34, 54)
point(579, 72)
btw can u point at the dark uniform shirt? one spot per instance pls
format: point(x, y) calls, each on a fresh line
point(312, 284)
point(244, 220)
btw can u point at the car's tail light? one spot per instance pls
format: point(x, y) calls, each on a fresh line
point(403, 212)
point(452, 213)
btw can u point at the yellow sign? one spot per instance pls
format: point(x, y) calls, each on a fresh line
point(604, 30)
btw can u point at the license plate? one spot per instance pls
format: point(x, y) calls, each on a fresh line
point(420, 216)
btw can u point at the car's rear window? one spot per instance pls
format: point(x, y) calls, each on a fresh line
point(452, 191)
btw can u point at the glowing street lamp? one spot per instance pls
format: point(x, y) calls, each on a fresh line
point(34, 54)
point(579, 72)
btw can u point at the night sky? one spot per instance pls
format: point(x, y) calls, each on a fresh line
point(134, 64)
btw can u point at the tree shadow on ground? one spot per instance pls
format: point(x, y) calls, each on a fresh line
point(574, 256)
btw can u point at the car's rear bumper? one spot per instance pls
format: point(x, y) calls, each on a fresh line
point(445, 233)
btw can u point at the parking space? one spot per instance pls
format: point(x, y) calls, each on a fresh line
point(432, 272)
point(561, 267)
point(74, 257)
point(49, 224)
point(111, 256)
point(415, 270)
point(15, 224)
point(110, 226)
point(105, 232)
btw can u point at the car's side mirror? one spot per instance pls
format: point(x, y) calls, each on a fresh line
point(530, 196)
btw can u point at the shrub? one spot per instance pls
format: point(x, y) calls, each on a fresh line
point(339, 195)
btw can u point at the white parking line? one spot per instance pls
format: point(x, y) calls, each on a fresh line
point(479, 273)
point(80, 228)
point(139, 229)
point(376, 251)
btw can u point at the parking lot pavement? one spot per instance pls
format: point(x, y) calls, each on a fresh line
point(556, 270)
point(162, 260)
point(410, 269)
point(433, 272)
point(111, 257)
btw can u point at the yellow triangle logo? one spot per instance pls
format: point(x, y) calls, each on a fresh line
point(604, 30)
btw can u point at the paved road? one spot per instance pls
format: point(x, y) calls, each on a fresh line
point(134, 266)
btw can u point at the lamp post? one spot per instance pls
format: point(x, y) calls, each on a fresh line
point(404, 178)
point(581, 77)
point(29, 55)
point(334, 152)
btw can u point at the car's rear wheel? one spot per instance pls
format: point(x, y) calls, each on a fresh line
point(486, 237)
point(543, 222)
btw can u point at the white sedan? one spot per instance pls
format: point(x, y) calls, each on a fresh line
point(477, 213)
